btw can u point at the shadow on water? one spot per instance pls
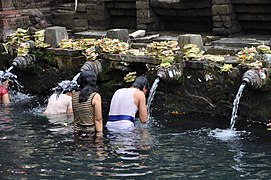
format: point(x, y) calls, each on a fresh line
point(176, 147)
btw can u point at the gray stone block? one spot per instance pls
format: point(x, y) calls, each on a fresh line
point(53, 35)
point(120, 34)
point(191, 39)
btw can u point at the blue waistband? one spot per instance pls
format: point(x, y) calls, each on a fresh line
point(120, 117)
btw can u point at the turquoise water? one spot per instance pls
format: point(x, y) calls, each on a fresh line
point(168, 147)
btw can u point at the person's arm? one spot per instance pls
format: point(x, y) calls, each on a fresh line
point(142, 108)
point(5, 99)
point(97, 103)
point(69, 108)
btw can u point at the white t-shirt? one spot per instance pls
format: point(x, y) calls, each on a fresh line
point(122, 105)
point(58, 105)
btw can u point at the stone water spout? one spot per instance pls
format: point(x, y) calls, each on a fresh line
point(96, 66)
point(172, 73)
point(23, 62)
point(68, 85)
point(254, 78)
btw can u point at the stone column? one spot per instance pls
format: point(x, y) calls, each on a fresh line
point(146, 19)
point(97, 15)
point(224, 18)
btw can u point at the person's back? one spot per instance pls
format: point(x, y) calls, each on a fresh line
point(83, 112)
point(122, 109)
point(59, 104)
point(87, 106)
point(124, 105)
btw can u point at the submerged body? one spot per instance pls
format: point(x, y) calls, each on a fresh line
point(59, 104)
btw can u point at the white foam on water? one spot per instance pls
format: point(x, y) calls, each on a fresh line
point(226, 134)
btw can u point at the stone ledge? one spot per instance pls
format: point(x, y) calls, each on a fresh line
point(62, 52)
point(130, 58)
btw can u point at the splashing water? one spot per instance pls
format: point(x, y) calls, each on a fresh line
point(224, 134)
point(75, 77)
point(66, 85)
point(18, 97)
point(9, 69)
point(152, 93)
point(235, 105)
point(12, 77)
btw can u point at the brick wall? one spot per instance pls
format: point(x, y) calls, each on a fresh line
point(15, 13)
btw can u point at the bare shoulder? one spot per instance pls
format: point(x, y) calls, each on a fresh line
point(97, 96)
point(96, 99)
point(139, 94)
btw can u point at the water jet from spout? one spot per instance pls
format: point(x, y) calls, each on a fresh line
point(235, 105)
point(152, 93)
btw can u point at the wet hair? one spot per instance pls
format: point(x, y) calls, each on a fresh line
point(141, 82)
point(6, 79)
point(87, 84)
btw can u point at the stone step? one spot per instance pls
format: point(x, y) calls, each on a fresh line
point(90, 34)
point(238, 42)
point(222, 50)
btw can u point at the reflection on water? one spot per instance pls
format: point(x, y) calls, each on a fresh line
point(37, 147)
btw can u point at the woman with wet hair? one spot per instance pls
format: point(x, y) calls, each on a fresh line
point(4, 96)
point(86, 104)
point(125, 103)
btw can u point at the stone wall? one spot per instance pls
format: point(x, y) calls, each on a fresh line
point(224, 18)
point(253, 15)
point(15, 13)
point(146, 18)
point(89, 14)
point(183, 15)
point(122, 14)
point(220, 17)
point(202, 88)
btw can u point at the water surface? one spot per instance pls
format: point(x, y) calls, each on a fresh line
point(168, 147)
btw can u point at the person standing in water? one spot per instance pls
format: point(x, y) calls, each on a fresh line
point(60, 102)
point(87, 106)
point(125, 103)
point(4, 95)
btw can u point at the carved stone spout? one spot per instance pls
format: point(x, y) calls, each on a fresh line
point(172, 73)
point(23, 62)
point(254, 78)
point(92, 65)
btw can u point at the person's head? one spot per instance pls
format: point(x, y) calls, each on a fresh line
point(87, 78)
point(141, 83)
point(6, 83)
point(87, 84)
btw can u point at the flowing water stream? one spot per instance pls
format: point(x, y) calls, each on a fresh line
point(152, 93)
point(235, 105)
point(170, 147)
